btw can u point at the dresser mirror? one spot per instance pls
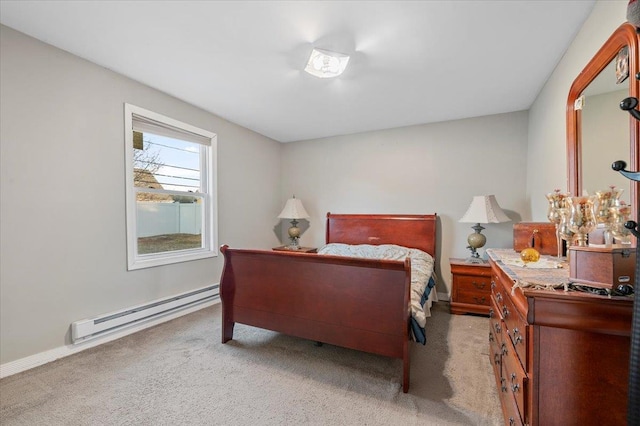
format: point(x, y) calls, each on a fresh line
point(598, 131)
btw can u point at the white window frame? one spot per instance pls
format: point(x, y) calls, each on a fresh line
point(208, 191)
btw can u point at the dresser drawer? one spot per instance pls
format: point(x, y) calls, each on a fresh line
point(511, 413)
point(515, 327)
point(516, 378)
point(496, 325)
point(495, 357)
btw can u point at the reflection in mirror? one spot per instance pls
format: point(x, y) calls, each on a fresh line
point(605, 133)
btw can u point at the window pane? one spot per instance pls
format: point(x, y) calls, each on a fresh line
point(168, 225)
point(166, 163)
point(171, 191)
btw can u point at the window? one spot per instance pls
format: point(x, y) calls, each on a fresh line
point(171, 192)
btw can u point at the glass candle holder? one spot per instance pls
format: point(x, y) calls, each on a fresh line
point(619, 216)
point(583, 218)
point(563, 228)
point(557, 201)
point(606, 200)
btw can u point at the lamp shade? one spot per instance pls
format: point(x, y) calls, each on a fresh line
point(484, 209)
point(293, 209)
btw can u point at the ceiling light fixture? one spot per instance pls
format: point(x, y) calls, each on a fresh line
point(326, 64)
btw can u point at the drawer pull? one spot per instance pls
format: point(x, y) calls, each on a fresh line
point(496, 359)
point(515, 387)
point(493, 284)
point(511, 421)
point(503, 388)
point(490, 336)
point(504, 349)
point(491, 312)
point(505, 312)
point(479, 286)
point(499, 296)
point(498, 328)
point(479, 300)
point(518, 338)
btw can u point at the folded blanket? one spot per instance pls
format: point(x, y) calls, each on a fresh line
point(421, 268)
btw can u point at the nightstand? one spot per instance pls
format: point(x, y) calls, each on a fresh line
point(298, 250)
point(470, 287)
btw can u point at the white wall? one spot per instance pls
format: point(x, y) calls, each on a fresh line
point(62, 145)
point(605, 139)
point(547, 154)
point(415, 170)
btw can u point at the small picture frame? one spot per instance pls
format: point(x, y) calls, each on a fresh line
point(622, 65)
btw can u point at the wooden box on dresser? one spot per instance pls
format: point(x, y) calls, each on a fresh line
point(559, 358)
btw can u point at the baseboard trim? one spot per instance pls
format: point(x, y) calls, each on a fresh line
point(32, 361)
point(444, 297)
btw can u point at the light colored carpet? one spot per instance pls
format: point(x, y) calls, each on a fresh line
point(178, 373)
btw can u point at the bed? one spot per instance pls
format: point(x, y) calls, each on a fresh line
point(357, 303)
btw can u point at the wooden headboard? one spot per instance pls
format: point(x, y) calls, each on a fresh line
point(413, 231)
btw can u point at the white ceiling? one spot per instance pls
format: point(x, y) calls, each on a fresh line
point(411, 62)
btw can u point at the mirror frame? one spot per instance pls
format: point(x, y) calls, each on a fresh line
point(625, 35)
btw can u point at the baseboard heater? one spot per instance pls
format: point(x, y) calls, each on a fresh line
point(93, 327)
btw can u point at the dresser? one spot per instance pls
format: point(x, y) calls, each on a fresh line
point(559, 357)
point(470, 287)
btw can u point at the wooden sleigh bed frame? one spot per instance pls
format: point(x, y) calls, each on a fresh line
point(361, 304)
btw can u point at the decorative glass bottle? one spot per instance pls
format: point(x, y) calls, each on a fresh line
point(606, 200)
point(583, 218)
point(557, 201)
point(619, 216)
point(563, 228)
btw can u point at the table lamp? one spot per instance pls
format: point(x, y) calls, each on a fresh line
point(483, 209)
point(293, 210)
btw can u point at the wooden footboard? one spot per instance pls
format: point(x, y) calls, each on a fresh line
point(361, 304)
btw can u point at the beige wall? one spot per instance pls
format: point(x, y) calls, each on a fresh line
point(546, 155)
point(419, 169)
point(605, 139)
point(62, 150)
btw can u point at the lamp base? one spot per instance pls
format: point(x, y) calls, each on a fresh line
point(476, 240)
point(476, 260)
point(293, 246)
point(294, 235)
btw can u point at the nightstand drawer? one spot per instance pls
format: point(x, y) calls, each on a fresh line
point(474, 284)
point(474, 297)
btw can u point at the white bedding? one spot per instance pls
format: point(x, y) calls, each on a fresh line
point(421, 270)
